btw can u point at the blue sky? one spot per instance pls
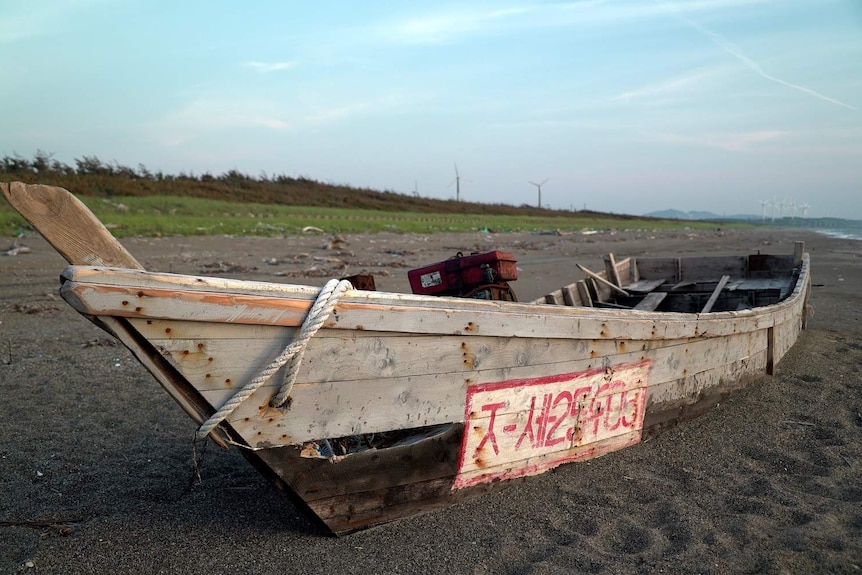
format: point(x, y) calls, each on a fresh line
point(623, 106)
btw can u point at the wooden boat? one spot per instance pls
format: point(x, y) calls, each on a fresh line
point(368, 406)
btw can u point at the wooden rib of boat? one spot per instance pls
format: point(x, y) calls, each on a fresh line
point(404, 403)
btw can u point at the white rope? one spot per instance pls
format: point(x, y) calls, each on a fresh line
point(317, 315)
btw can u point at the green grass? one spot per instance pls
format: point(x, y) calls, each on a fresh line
point(237, 204)
point(187, 216)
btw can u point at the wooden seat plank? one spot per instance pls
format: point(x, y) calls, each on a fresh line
point(651, 301)
point(682, 285)
point(643, 286)
point(714, 297)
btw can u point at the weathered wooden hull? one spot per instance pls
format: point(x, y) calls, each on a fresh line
point(535, 386)
point(500, 390)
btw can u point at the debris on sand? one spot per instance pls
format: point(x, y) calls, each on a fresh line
point(335, 243)
point(33, 307)
point(17, 248)
point(226, 268)
point(100, 342)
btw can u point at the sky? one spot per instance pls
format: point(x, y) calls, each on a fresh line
point(623, 106)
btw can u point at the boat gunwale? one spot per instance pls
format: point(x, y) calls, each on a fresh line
point(174, 284)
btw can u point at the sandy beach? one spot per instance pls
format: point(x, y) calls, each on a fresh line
point(96, 460)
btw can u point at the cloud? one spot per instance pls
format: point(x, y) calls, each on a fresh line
point(604, 11)
point(452, 24)
point(268, 67)
point(443, 27)
point(668, 87)
point(320, 116)
point(732, 49)
point(206, 115)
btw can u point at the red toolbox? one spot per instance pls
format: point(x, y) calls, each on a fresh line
point(461, 273)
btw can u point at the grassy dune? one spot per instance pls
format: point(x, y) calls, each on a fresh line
point(137, 202)
point(187, 216)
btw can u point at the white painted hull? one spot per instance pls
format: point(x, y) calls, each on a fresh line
point(535, 386)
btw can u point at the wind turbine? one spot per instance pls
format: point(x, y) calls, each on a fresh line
point(804, 208)
point(539, 187)
point(781, 204)
point(457, 182)
point(763, 204)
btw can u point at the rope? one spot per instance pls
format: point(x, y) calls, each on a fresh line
point(317, 315)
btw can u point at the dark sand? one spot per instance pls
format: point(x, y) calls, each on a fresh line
point(95, 458)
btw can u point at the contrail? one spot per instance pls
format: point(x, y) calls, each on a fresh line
point(735, 51)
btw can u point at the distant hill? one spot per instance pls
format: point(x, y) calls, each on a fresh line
point(673, 214)
point(819, 223)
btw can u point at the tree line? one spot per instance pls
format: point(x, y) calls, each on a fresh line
point(91, 176)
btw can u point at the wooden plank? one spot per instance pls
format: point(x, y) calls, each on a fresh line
point(770, 351)
point(603, 281)
point(715, 293)
point(554, 298)
point(785, 335)
point(513, 469)
point(379, 311)
point(651, 301)
point(769, 265)
point(584, 292)
point(134, 278)
point(643, 286)
point(759, 284)
point(355, 304)
point(684, 388)
point(682, 285)
point(612, 271)
point(598, 292)
point(570, 296)
point(172, 381)
point(374, 486)
point(663, 267)
point(701, 268)
point(687, 397)
point(212, 358)
point(352, 396)
point(705, 269)
point(68, 225)
point(75, 232)
point(624, 270)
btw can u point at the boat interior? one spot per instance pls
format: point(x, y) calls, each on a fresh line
point(688, 284)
